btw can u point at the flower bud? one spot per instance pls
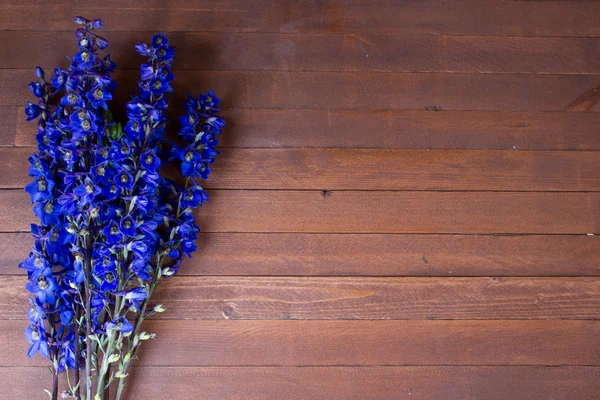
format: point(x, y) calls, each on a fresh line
point(80, 20)
point(120, 374)
point(159, 308)
point(39, 72)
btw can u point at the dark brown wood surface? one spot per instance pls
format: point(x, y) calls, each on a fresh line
point(406, 205)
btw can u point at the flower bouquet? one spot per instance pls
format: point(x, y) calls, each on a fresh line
point(111, 225)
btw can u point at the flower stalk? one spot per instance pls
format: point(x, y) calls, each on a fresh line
point(112, 224)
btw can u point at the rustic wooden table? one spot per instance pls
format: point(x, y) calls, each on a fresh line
point(401, 210)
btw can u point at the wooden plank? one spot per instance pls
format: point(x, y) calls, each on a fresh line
point(400, 212)
point(357, 298)
point(358, 90)
point(373, 212)
point(254, 254)
point(417, 129)
point(330, 16)
point(351, 343)
point(345, 169)
point(325, 52)
point(266, 383)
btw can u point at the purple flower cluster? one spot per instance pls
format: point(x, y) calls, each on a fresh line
point(111, 226)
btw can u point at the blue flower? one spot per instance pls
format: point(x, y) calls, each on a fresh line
point(70, 98)
point(124, 179)
point(37, 166)
point(113, 233)
point(32, 111)
point(102, 173)
point(119, 324)
point(36, 313)
point(101, 42)
point(59, 79)
point(189, 158)
point(121, 150)
point(37, 89)
point(82, 123)
point(37, 338)
point(56, 240)
point(98, 188)
point(98, 96)
point(159, 86)
point(128, 226)
point(48, 212)
point(142, 268)
point(134, 297)
point(193, 197)
point(84, 59)
point(150, 161)
point(209, 100)
point(39, 72)
point(36, 262)
point(86, 191)
point(165, 53)
point(111, 191)
point(146, 71)
point(109, 281)
point(143, 49)
point(43, 286)
point(159, 40)
point(40, 189)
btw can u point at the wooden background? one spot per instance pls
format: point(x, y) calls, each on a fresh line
point(404, 208)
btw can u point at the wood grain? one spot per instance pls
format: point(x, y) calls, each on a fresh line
point(400, 212)
point(355, 212)
point(469, 17)
point(325, 52)
point(324, 383)
point(345, 169)
point(369, 236)
point(349, 343)
point(357, 298)
point(356, 90)
point(369, 255)
point(420, 129)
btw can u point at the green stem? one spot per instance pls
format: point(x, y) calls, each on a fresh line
point(100, 388)
point(88, 317)
point(131, 348)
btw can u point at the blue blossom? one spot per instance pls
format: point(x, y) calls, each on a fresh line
point(120, 324)
point(112, 233)
point(59, 79)
point(86, 192)
point(111, 226)
point(98, 96)
point(48, 212)
point(40, 189)
point(37, 89)
point(32, 111)
point(124, 179)
point(43, 286)
point(128, 226)
point(36, 336)
point(150, 161)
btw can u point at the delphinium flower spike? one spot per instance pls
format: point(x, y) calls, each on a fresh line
point(72, 117)
point(112, 227)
